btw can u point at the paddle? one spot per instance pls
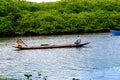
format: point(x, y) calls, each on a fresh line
point(23, 42)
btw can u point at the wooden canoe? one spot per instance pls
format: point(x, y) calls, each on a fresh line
point(53, 46)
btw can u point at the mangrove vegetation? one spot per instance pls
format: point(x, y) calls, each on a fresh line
point(19, 17)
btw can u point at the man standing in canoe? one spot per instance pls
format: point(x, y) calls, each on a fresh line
point(17, 42)
point(78, 41)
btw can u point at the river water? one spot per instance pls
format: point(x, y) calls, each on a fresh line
point(99, 60)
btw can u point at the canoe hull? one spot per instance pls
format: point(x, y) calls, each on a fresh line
point(115, 32)
point(53, 46)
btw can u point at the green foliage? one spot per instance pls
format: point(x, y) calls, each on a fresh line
point(75, 79)
point(45, 78)
point(18, 17)
point(39, 73)
point(7, 79)
point(28, 76)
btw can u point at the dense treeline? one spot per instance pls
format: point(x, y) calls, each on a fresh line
point(18, 17)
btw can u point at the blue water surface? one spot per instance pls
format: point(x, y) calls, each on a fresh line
point(99, 60)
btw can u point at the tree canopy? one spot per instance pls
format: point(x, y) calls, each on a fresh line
point(19, 17)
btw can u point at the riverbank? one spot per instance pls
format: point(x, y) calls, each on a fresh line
point(21, 18)
point(7, 79)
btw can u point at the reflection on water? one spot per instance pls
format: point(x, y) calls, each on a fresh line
point(99, 60)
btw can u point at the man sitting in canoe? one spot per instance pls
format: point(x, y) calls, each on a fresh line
point(78, 41)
